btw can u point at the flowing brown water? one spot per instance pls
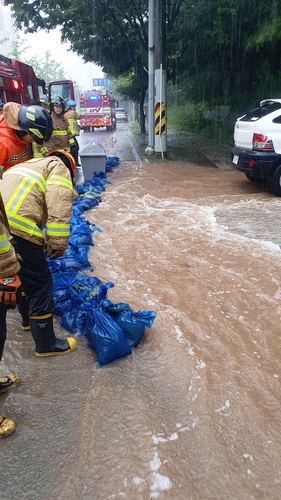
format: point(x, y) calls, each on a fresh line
point(194, 412)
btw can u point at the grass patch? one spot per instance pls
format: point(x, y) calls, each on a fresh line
point(134, 128)
point(202, 120)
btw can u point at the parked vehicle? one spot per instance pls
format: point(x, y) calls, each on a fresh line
point(97, 109)
point(121, 115)
point(63, 88)
point(19, 83)
point(257, 151)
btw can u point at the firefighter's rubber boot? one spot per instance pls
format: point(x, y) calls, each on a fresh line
point(8, 382)
point(46, 343)
point(7, 427)
point(23, 309)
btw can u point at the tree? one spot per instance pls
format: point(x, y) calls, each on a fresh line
point(213, 46)
point(112, 34)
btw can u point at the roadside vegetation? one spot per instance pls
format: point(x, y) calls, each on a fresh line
point(201, 119)
point(222, 56)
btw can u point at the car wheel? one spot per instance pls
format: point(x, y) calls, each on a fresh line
point(275, 182)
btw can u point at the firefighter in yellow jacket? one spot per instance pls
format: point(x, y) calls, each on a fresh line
point(10, 293)
point(38, 194)
point(62, 138)
point(72, 116)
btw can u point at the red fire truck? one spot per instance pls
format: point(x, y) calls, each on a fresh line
point(18, 83)
point(97, 108)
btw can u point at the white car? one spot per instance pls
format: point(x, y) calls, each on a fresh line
point(121, 115)
point(257, 139)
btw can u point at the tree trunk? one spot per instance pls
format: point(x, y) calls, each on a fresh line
point(142, 115)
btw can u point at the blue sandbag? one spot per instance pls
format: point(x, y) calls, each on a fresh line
point(133, 324)
point(62, 301)
point(115, 309)
point(107, 338)
point(78, 319)
point(62, 264)
point(78, 254)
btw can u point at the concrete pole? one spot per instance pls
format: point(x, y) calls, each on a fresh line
point(151, 85)
point(160, 112)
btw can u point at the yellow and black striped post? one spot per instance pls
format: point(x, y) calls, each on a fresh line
point(160, 113)
point(160, 119)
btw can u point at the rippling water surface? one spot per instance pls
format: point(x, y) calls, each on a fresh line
point(194, 412)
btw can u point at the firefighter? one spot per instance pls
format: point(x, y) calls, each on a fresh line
point(36, 194)
point(37, 150)
point(44, 102)
point(20, 125)
point(72, 116)
point(10, 293)
point(62, 139)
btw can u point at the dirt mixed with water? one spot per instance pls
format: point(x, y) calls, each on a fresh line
point(194, 412)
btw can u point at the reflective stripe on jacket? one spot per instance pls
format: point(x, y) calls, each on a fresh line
point(8, 261)
point(72, 117)
point(39, 193)
point(62, 138)
point(12, 149)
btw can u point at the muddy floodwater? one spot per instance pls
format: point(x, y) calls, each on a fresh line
point(194, 412)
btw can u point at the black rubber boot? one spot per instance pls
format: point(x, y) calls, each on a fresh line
point(23, 309)
point(46, 343)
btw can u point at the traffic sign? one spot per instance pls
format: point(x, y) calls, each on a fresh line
point(100, 82)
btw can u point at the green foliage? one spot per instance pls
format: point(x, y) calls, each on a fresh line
point(3, 40)
point(127, 87)
point(188, 117)
point(46, 67)
point(201, 119)
point(217, 52)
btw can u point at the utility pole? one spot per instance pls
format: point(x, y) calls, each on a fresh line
point(151, 86)
point(160, 117)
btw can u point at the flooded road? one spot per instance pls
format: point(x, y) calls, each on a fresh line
point(194, 412)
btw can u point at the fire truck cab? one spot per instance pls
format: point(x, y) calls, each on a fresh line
point(62, 88)
point(18, 82)
point(97, 109)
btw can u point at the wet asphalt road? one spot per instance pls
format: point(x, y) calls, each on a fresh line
point(99, 434)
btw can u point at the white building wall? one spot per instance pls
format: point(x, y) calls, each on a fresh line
point(6, 31)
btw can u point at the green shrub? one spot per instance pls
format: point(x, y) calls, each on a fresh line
point(201, 119)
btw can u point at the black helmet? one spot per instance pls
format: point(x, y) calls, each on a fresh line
point(37, 122)
point(43, 100)
point(57, 101)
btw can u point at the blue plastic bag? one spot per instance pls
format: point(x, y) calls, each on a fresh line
point(107, 338)
point(79, 318)
point(133, 324)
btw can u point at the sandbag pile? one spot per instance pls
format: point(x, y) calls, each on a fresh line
point(81, 300)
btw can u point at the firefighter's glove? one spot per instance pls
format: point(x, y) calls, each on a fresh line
point(10, 291)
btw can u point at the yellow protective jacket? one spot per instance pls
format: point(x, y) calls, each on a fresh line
point(37, 150)
point(61, 139)
point(39, 193)
point(72, 117)
point(8, 261)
